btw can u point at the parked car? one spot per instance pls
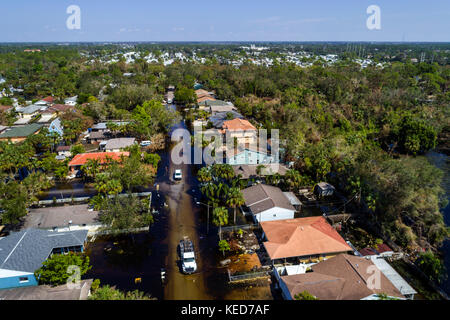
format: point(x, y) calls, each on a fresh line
point(178, 175)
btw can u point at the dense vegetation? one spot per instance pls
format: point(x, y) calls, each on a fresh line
point(363, 129)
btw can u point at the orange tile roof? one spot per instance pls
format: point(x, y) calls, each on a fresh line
point(48, 99)
point(302, 237)
point(81, 159)
point(201, 92)
point(238, 125)
point(205, 98)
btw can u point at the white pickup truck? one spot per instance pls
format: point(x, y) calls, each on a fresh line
point(187, 255)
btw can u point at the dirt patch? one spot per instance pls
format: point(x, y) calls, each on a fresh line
point(244, 263)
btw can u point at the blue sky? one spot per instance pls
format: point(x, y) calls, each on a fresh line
point(224, 20)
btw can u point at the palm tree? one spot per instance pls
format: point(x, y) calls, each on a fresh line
point(293, 179)
point(210, 191)
point(204, 175)
point(91, 168)
point(220, 218)
point(234, 200)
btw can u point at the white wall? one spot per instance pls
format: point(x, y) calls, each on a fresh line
point(273, 214)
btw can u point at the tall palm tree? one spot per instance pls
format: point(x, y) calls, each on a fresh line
point(220, 218)
point(234, 200)
point(210, 192)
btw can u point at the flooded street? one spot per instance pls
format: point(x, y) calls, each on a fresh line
point(135, 262)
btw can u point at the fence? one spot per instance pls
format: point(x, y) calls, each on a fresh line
point(243, 227)
point(247, 276)
point(82, 199)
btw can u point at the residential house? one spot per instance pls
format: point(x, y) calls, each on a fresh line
point(380, 250)
point(250, 171)
point(65, 218)
point(219, 118)
point(118, 144)
point(302, 239)
point(30, 111)
point(64, 152)
point(61, 108)
point(102, 157)
point(227, 107)
point(249, 155)
point(3, 128)
point(98, 136)
point(56, 127)
point(267, 203)
point(19, 134)
point(22, 253)
point(241, 130)
point(343, 277)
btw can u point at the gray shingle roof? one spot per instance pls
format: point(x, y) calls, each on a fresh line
point(28, 249)
point(119, 143)
point(262, 197)
point(30, 109)
point(23, 131)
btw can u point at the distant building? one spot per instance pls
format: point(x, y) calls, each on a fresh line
point(22, 253)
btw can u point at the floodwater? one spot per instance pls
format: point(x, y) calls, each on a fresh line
point(135, 262)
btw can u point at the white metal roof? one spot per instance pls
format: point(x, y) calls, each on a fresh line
point(393, 276)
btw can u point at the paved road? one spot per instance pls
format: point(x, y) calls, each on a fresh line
point(183, 221)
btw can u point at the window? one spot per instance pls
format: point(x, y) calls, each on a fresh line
point(23, 279)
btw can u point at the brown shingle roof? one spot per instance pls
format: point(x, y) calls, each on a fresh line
point(344, 277)
point(262, 197)
point(302, 237)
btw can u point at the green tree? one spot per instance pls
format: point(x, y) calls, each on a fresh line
point(109, 293)
point(224, 246)
point(220, 218)
point(125, 213)
point(55, 270)
point(77, 149)
point(431, 265)
point(185, 96)
point(235, 199)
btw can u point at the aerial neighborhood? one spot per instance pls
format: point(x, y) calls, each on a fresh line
point(303, 197)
